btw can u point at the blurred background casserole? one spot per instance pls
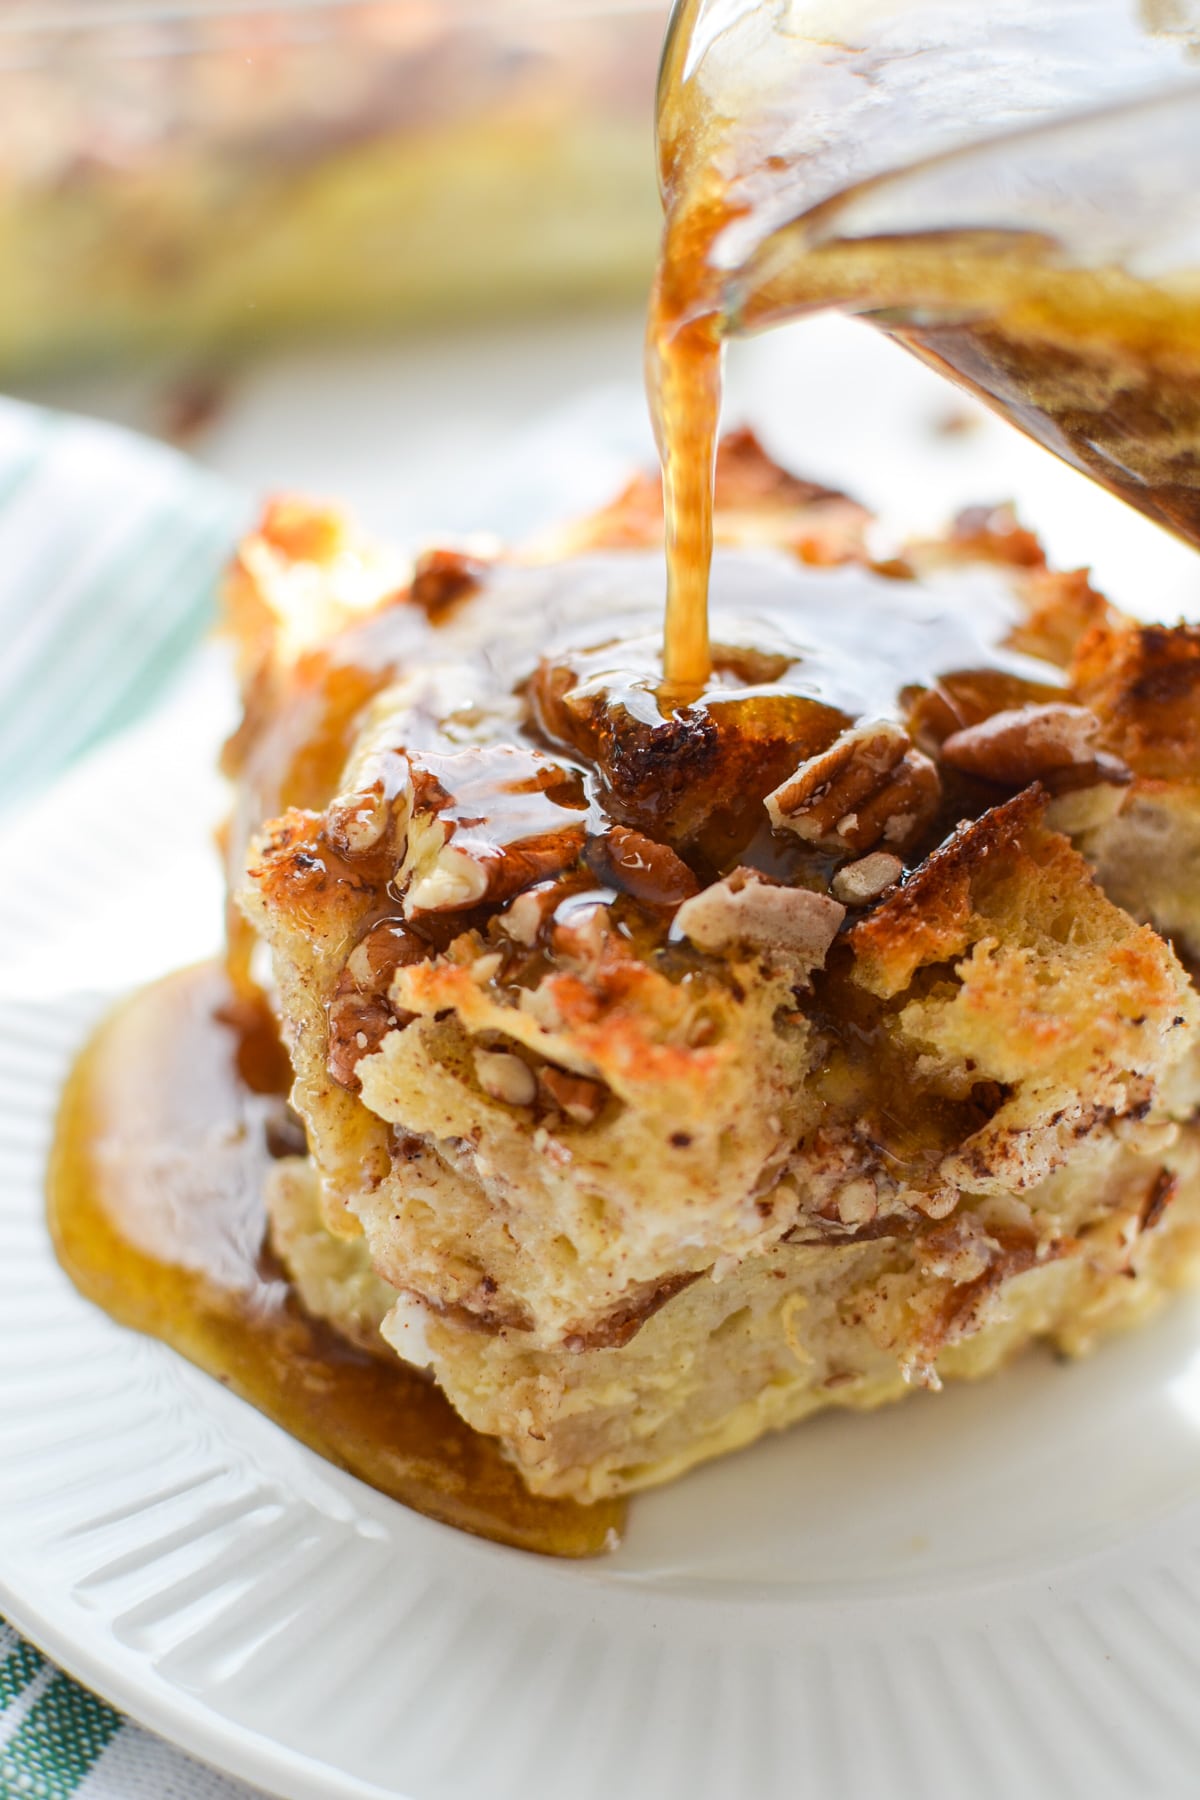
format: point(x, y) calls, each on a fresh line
point(205, 174)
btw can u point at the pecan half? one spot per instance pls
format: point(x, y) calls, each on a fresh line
point(871, 785)
point(1031, 743)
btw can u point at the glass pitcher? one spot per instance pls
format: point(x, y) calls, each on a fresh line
point(1012, 192)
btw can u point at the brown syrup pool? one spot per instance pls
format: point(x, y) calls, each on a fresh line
point(155, 1204)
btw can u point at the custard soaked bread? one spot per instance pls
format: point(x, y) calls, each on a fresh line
point(674, 1067)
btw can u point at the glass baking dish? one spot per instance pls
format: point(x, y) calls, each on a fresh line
point(209, 173)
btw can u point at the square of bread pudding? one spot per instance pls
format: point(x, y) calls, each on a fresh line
point(670, 1072)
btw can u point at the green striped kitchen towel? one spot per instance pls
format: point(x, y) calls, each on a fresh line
point(110, 547)
point(58, 1742)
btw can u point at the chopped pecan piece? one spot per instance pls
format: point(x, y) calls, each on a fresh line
point(650, 871)
point(357, 1027)
point(860, 882)
point(374, 806)
point(582, 1100)
point(355, 823)
point(387, 947)
point(580, 928)
point(505, 1077)
point(487, 823)
point(453, 882)
point(1031, 743)
point(524, 917)
point(858, 1202)
point(748, 911)
point(871, 785)
point(360, 1014)
point(440, 578)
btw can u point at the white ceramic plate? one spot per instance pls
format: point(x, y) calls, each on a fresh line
point(994, 1592)
point(991, 1592)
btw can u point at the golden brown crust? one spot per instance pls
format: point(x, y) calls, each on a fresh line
point(758, 500)
point(1143, 683)
point(937, 913)
point(1057, 606)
